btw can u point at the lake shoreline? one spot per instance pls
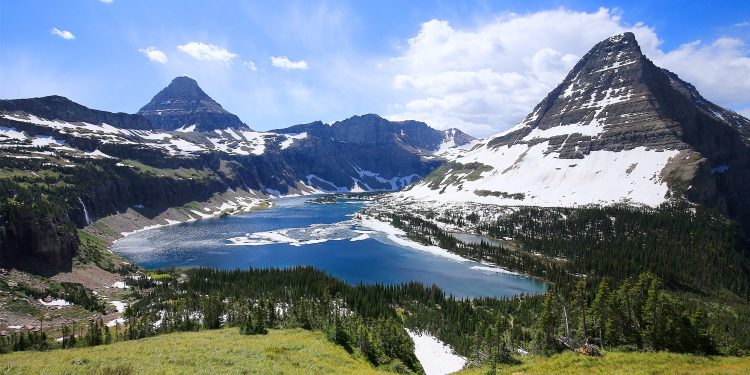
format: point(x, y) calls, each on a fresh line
point(335, 238)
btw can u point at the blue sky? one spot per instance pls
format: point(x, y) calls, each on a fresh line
point(477, 65)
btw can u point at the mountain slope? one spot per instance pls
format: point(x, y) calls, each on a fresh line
point(617, 129)
point(183, 105)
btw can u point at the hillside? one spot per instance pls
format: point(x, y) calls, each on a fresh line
point(623, 363)
point(296, 351)
point(292, 351)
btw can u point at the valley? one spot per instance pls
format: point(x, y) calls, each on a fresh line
point(612, 220)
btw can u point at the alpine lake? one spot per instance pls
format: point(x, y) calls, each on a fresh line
point(295, 232)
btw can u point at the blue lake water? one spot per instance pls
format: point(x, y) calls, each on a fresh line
point(328, 231)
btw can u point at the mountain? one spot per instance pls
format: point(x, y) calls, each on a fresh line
point(372, 129)
point(366, 152)
point(64, 109)
point(618, 129)
point(183, 105)
point(65, 165)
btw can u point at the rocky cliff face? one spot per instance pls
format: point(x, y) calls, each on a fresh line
point(40, 242)
point(617, 129)
point(184, 105)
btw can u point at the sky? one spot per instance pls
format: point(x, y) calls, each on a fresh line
point(480, 66)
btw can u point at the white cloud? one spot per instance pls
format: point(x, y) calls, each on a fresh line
point(107, 1)
point(720, 70)
point(207, 52)
point(154, 54)
point(65, 34)
point(486, 78)
point(283, 62)
point(250, 65)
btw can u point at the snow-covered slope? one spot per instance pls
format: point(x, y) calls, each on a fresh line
point(182, 142)
point(617, 129)
point(521, 175)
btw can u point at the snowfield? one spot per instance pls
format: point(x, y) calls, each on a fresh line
point(436, 357)
point(632, 176)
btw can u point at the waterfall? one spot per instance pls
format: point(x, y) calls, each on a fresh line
point(85, 212)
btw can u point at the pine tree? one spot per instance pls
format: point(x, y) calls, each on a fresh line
point(653, 329)
point(107, 336)
point(580, 302)
point(599, 311)
point(545, 327)
point(260, 321)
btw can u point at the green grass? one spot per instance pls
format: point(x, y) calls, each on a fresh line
point(624, 363)
point(180, 173)
point(22, 306)
point(451, 172)
point(292, 351)
point(158, 276)
point(93, 249)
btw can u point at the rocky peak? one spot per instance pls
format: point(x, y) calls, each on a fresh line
point(612, 99)
point(184, 105)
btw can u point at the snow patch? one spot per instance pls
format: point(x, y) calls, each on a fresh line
point(56, 303)
point(119, 305)
point(436, 357)
point(290, 138)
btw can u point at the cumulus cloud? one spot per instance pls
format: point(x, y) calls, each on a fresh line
point(154, 54)
point(65, 34)
point(486, 78)
point(720, 70)
point(107, 1)
point(250, 65)
point(283, 62)
point(207, 52)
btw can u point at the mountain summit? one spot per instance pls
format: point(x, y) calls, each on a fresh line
point(618, 129)
point(183, 105)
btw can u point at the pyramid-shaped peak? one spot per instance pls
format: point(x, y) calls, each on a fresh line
point(615, 47)
point(186, 88)
point(624, 38)
point(184, 105)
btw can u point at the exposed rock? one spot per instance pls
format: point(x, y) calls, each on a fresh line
point(183, 105)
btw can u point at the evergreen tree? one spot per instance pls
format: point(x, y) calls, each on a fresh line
point(580, 303)
point(545, 327)
point(599, 311)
